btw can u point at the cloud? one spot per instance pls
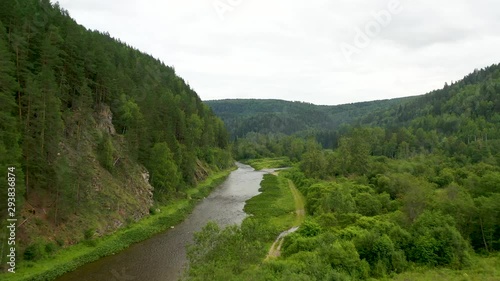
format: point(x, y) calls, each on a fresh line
point(289, 49)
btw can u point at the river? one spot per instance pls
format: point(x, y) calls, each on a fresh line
point(163, 257)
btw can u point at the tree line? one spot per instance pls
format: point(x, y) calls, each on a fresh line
point(71, 97)
point(416, 185)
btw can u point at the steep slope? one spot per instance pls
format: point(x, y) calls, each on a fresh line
point(97, 131)
point(451, 109)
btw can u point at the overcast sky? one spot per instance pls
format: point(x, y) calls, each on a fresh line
point(324, 52)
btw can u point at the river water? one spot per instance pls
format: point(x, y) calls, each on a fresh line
point(163, 257)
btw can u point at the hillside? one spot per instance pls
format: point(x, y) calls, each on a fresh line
point(278, 116)
point(98, 132)
point(464, 112)
point(474, 97)
point(409, 192)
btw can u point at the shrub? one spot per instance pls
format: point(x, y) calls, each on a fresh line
point(309, 228)
point(34, 251)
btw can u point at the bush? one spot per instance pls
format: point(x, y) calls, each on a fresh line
point(309, 228)
point(34, 251)
point(50, 248)
point(295, 243)
point(437, 242)
point(105, 152)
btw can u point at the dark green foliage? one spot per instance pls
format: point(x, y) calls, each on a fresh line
point(82, 114)
point(278, 116)
point(58, 79)
point(33, 252)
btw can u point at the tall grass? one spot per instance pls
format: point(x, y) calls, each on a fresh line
point(275, 205)
point(269, 163)
point(482, 269)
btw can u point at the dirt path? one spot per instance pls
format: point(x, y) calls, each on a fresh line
point(298, 198)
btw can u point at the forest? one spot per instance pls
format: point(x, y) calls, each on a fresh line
point(409, 192)
point(99, 133)
point(103, 137)
point(243, 116)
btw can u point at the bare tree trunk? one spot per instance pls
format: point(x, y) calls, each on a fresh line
point(27, 151)
point(482, 232)
point(57, 201)
point(78, 194)
point(19, 90)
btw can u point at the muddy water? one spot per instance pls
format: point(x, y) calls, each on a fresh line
point(163, 257)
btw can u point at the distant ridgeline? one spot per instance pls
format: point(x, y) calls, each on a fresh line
point(96, 130)
point(243, 116)
point(459, 114)
point(406, 192)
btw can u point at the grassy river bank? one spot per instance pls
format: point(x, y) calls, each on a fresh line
point(77, 255)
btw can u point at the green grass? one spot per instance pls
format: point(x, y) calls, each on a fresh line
point(275, 204)
point(299, 202)
point(269, 163)
point(72, 257)
point(482, 269)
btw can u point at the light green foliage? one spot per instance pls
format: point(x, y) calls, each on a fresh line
point(105, 152)
point(367, 204)
point(309, 228)
point(414, 193)
point(342, 256)
point(269, 163)
point(437, 242)
point(165, 177)
point(234, 252)
point(270, 202)
point(314, 163)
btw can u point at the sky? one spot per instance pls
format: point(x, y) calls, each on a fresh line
point(323, 51)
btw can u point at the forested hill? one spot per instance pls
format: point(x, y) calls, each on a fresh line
point(452, 109)
point(278, 116)
point(410, 192)
point(467, 110)
point(97, 131)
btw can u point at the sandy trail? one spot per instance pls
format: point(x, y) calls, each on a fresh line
point(275, 249)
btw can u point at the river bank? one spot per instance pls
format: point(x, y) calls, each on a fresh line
point(164, 256)
point(77, 255)
point(234, 252)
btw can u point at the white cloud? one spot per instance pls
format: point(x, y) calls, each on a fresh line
point(290, 49)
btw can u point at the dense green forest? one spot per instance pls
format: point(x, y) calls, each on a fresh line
point(410, 192)
point(98, 132)
point(243, 116)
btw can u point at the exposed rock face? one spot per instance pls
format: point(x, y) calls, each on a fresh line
point(104, 119)
point(124, 195)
